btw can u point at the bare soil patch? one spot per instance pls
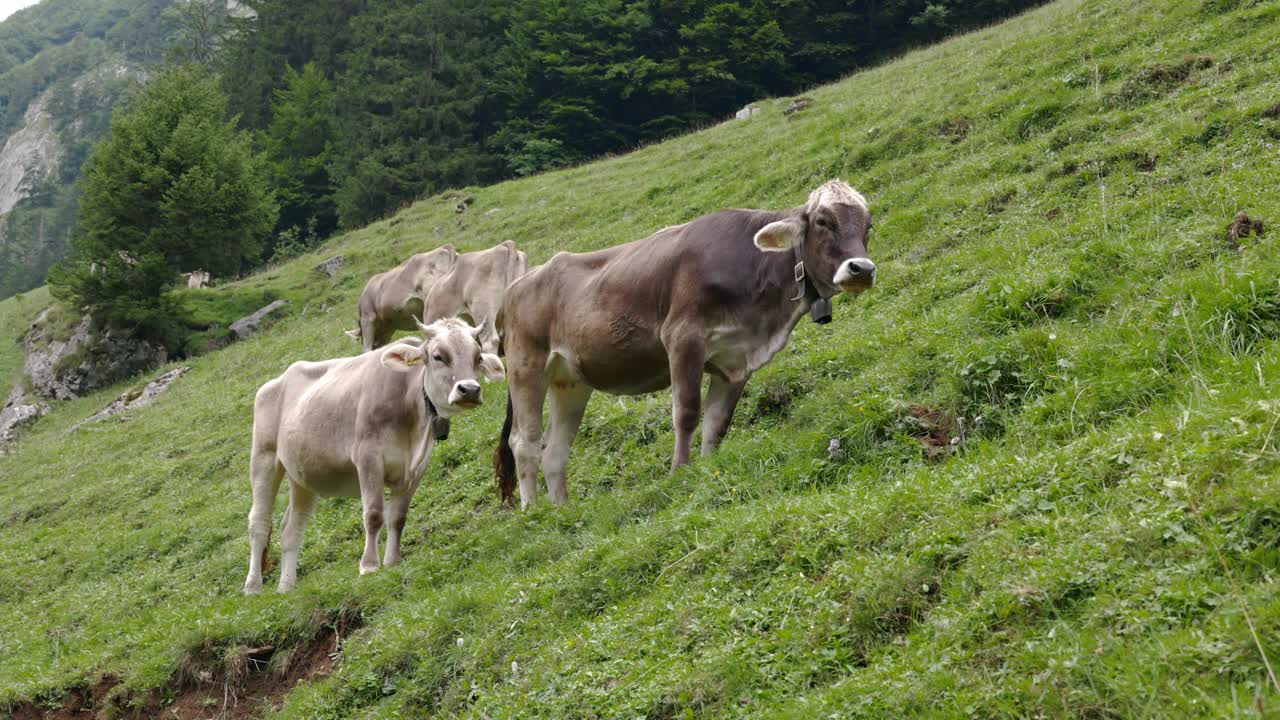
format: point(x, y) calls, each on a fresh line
point(244, 683)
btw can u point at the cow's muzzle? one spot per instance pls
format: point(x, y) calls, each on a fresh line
point(466, 394)
point(855, 275)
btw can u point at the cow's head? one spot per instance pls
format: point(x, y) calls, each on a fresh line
point(451, 357)
point(831, 231)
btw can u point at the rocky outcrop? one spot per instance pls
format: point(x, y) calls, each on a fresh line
point(249, 324)
point(65, 369)
point(331, 266)
point(29, 156)
point(137, 397)
point(19, 411)
point(747, 111)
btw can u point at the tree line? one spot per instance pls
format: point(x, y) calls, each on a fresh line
point(271, 130)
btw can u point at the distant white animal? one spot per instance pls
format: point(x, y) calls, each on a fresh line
point(354, 427)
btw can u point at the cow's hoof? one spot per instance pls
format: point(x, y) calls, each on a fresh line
point(284, 587)
point(252, 587)
point(366, 569)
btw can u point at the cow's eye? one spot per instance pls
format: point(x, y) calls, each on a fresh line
point(824, 223)
point(438, 357)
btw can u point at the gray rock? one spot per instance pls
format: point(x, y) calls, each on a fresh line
point(65, 369)
point(331, 266)
point(137, 398)
point(249, 324)
point(747, 111)
point(19, 411)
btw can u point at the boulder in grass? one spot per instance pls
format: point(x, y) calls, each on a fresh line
point(249, 324)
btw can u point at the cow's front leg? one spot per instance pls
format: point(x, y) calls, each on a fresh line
point(369, 467)
point(686, 390)
point(527, 387)
point(302, 503)
point(568, 403)
point(722, 398)
point(397, 511)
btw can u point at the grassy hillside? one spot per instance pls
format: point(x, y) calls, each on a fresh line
point(1058, 492)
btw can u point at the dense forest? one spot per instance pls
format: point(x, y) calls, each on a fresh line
point(355, 107)
point(434, 94)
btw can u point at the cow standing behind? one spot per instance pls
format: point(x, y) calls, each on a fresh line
point(719, 295)
point(473, 289)
point(356, 426)
point(393, 300)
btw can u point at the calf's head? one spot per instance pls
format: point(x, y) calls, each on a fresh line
point(831, 233)
point(451, 359)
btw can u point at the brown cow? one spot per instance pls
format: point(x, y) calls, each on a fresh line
point(354, 426)
point(473, 289)
point(699, 297)
point(393, 300)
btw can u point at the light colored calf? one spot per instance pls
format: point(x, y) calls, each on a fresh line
point(355, 427)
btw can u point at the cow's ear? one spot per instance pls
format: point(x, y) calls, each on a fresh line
point(402, 358)
point(780, 235)
point(491, 366)
point(353, 334)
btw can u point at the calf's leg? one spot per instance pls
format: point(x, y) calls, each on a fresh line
point(568, 403)
point(372, 482)
point(722, 398)
point(302, 503)
point(397, 511)
point(265, 473)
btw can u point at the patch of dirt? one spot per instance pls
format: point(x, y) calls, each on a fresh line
point(1272, 113)
point(244, 683)
point(1144, 161)
point(1242, 226)
point(955, 129)
point(932, 428)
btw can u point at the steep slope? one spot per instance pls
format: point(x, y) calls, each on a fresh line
point(1057, 489)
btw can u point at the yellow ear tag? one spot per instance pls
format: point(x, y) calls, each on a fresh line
point(413, 360)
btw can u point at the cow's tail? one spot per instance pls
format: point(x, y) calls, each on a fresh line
point(504, 461)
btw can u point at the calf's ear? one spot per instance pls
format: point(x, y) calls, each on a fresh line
point(780, 235)
point(491, 366)
point(353, 334)
point(402, 358)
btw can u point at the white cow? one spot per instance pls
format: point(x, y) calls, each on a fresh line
point(354, 427)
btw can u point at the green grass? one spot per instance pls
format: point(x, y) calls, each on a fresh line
point(1051, 200)
point(16, 314)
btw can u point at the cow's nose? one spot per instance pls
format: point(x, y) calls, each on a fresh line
point(861, 268)
point(468, 391)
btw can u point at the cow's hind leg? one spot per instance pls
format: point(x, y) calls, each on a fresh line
point(568, 403)
point(686, 360)
point(528, 388)
point(265, 473)
point(722, 398)
point(302, 504)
